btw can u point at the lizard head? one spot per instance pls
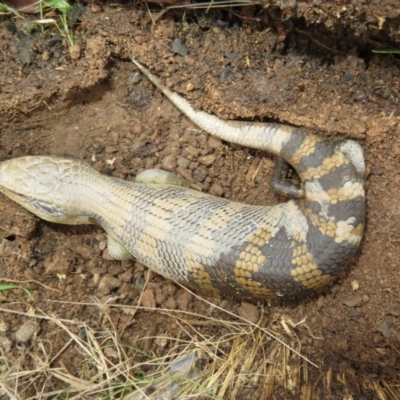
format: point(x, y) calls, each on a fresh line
point(43, 185)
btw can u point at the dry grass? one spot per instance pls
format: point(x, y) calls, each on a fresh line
point(262, 360)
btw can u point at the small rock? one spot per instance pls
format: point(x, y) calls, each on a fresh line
point(352, 301)
point(355, 314)
point(193, 165)
point(160, 295)
point(100, 237)
point(214, 142)
point(348, 76)
point(179, 47)
point(249, 312)
point(184, 173)
point(200, 174)
point(171, 288)
point(98, 147)
point(148, 299)
point(109, 283)
point(355, 285)
point(169, 163)
point(115, 269)
point(85, 251)
point(126, 276)
point(190, 151)
point(365, 298)
point(387, 329)
point(96, 278)
point(82, 334)
point(208, 160)
point(216, 190)
point(320, 302)
point(183, 299)
point(115, 137)
point(136, 163)
point(377, 171)
point(170, 304)
point(26, 331)
point(183, 162)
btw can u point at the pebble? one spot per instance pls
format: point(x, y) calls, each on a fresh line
point(183, 299)
point(216, 190)
point(85, 251)
point(98, 147)
point(160, 295)
point(183, 162)
point(352, 301)
point(190, 151)
point(193, 165)
point(115, 269)
point(109, 283)
point(26, 331)
point(136, 163)
point(208, 159)
point(96, 278)
point(185, 174)
point(103, 245)
point(355, 314)
point(249, 312)
point(170, 304)
point(171, 288)
point(169, 163)
point(178, 47)
point(126, 276)
point(200, 174)
point(387, 329)
point(115, 137)
point(149, 163)
point(320, 302)
point(214, 142)
point(148, 299)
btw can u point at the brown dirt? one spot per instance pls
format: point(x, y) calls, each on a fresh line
point(320, 77)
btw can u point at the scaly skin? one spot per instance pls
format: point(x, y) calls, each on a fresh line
point(197, 239)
